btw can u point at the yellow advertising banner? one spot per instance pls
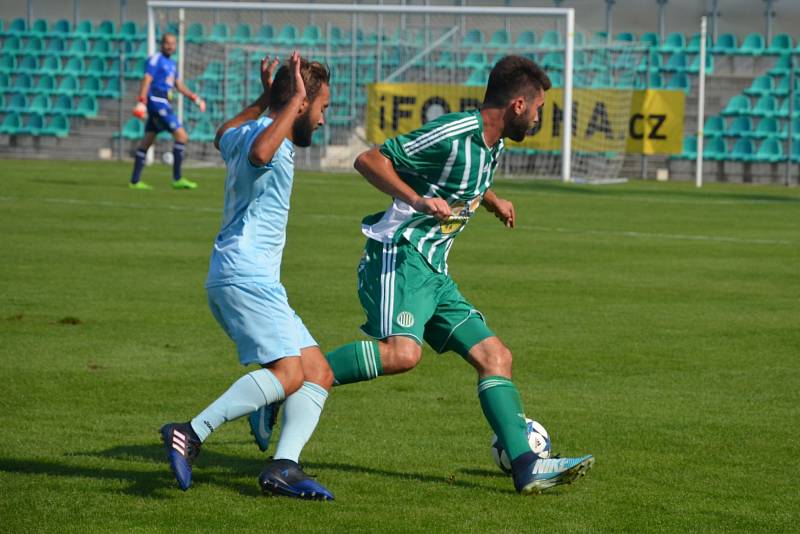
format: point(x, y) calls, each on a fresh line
point(604, 120)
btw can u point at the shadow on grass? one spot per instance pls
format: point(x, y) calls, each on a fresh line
point(618, 192)
point(210, 468)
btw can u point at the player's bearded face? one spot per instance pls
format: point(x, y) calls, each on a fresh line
point(519, 126)
point(303, 128)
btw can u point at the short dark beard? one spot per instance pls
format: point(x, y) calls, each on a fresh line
point(303, 129)
point(517, 128)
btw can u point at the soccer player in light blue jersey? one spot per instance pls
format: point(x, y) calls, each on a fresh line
point(160, 76)
point(244, 289)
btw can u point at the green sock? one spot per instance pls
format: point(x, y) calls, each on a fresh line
point(355, 362)
point(503, 409)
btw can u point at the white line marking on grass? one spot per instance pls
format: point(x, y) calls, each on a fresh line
point(329, 216)
point(658, 199)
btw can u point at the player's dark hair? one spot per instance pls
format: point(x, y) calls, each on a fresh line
point(314, 74)
point(514, 76)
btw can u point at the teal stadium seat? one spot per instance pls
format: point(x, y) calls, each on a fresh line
point(781, 44)
point(83, 30)
point(689, 151)
point(767, 127)
point(553, 61)
point(35, 126)
point(40, 28)
point(694, 68)
point(676, 63)
point(288, 36)
point(79, 49)
point(11, 45)
point(743, 151)
point(598, 39)
point(195, 33)
point(56, 47)
point(68, 86)
point(311, 36)
point(556, 79)
point(653, 59)
point(770, 151)
point(58, 127)
point(753, 45)
point(219, 33)
point(602, 80)
point(5, 82)
point(472, 39)
point(625, 37)
point(23, 83)
point(28, 65)
point(475, 60)
point(338, 37)
point(579, 37)
point(18, 27)
point(526, 40)
point(104, 49)
point(74, 66)
point(242, 34)
point(46, 84)
point(64, 105)
point(8, 63)
point(783, 112)
point(39, 104)
point(651, 40)
point(762, 85)
point(111, 89)
point(92, 85)
point(727, 44)
point(599, 61)
point(129, 32)
point(34, 45)
point(87, 106)
point(62, 28)
point(17, 103)
point(478, 78)
point(741, 126)
point(737, 105)
point(96, 67)
point(782, 66)
point(134, 69)
point(714, 126)
point(105, 30)
point(674, 42)
point(766, 106)
point(693, 47)
point(714, 149)
point(11, 125)
point(680, 81)
point(795, 150)
point(655, 81)
point(550, 39)
point(132, 130)
point(627, 80)
point(499, 40)
point(204, 131)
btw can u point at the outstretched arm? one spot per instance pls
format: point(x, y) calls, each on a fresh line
point(380, 172)
point(258, 106)
point(502, 209)
point(181, 87)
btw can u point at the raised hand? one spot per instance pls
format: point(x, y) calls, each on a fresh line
point(267, 70)
point(299, 85)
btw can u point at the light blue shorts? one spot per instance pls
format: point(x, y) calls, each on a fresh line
point(258, 318)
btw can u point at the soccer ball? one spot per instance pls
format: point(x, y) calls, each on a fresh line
point(167, 158)
point(538, 439)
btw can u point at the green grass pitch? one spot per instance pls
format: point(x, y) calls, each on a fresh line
point(653, 325)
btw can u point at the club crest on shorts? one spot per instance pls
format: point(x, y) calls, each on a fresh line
point(405, 319)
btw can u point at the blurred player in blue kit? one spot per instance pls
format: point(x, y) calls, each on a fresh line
point(244, 290)
point(160, 76)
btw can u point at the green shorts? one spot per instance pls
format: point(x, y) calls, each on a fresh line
point(403, 296)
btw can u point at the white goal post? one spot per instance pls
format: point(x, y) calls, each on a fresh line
point(565, 15)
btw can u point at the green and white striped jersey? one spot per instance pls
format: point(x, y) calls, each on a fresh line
point(446, 158)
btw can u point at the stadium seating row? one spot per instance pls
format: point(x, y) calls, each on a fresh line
point(36, 125)
point(15, 46)
point(716, 126)
point(68, 85)
point(753, 44)
point(74, 66)
point(765, 106)
point(743, 150)
point(86, 106)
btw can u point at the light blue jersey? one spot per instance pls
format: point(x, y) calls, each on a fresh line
point(249, 246)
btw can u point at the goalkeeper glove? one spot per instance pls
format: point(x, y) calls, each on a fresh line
point(140, 109)
point(200, 103)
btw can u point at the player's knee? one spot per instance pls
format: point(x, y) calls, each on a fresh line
point(322, 375)
point(497, 361)
point(404, 358)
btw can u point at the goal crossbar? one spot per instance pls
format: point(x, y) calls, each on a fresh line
point(378, 9)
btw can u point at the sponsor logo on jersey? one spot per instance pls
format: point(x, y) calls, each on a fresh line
point(461, 214)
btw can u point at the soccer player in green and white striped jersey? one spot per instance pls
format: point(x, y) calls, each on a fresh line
point(437, 177)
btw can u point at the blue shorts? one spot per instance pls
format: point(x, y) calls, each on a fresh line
point(160, 116)
point(258, 318)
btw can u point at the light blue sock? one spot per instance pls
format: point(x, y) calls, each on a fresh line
point(300, 417)
point(249, 393)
